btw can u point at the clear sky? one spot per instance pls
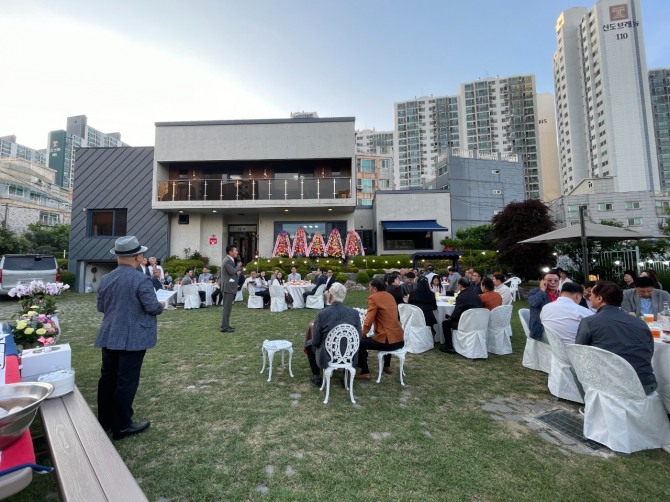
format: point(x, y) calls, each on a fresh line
point(127, 64)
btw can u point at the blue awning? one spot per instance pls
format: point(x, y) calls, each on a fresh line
point(413, 226)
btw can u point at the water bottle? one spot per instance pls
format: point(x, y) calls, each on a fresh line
point(663, 317)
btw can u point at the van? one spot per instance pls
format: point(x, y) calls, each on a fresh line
point(18, 269)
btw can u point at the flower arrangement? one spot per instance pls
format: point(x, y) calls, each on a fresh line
point(37, 318)
point(334, 247)
point(300, 243)
point(354, 245)
point(283, 245)
point(318, 246)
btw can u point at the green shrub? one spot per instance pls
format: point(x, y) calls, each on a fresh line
point(177, 267)
point(67, 278)
point(62, 263)
point(362, 277)
point(341, 277)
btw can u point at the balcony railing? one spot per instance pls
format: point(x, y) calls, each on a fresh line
point(209, 189)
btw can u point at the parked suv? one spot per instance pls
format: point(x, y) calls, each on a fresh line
point(18, 269)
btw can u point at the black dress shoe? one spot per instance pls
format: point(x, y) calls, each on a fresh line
point(444, 348)
point(227, 330)
point(317, 380)
point(133, 428)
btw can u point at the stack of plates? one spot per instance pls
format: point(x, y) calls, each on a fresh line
point(62, 380)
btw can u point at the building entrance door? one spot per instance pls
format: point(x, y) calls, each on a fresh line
point(244, 238)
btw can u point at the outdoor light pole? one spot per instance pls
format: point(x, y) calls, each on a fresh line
point(585, 248)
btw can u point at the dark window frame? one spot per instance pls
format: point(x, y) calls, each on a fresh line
point(119, 224)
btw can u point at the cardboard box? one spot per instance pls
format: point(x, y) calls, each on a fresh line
point(35, 362)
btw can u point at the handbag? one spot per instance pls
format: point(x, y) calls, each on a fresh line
point(288, 298)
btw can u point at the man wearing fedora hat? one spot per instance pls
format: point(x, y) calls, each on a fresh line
point(128, 301)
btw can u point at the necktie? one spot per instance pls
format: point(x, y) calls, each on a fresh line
point(146, 271)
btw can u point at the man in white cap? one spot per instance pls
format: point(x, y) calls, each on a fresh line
point(128, 301)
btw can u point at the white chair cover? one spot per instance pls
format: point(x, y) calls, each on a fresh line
point(513, 284)
point(254, 302)
point(536, 355)
point(499, 329)
point(470, 337)
point(561, 381)
point(238, 296)
point(191, 297)
point(315, 301)
point(418, 337)
point(617, 413)
point(339, 360)
point(277, 299)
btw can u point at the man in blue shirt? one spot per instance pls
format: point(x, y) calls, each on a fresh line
point(645, 298)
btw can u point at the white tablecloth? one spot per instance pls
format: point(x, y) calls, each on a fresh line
point(207, 288)
point(296, 292)
point(443, 309)
point(661, 364)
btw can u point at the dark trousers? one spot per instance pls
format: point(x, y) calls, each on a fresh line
point(308, 293)
point(119, 379)
point(227, 307)
point(447, 326)
point(265, 293)
point(217, 297)
point(372, 344)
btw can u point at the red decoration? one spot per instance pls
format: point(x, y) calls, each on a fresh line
point(300, 243)
point(334, 247)
point(318, 246)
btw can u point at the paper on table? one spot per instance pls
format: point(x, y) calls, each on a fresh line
point(163, 295)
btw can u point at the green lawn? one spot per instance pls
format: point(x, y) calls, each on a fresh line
point(220, 431)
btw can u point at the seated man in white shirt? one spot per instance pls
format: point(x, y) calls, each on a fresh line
point(502, 289)
point(564, 315)
point(256, 282)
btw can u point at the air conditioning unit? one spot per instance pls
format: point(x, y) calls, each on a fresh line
point(497, 211)
point(497, 192)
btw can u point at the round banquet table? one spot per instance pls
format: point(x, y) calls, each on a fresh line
point(296, 291)
point(443, 309)
point(202, 286)
point(661, 364)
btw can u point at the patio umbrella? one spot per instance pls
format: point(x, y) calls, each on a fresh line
point(594, 231)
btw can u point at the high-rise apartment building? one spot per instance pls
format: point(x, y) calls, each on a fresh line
point(549, 166)
point(424, 127)
point(373, 172)
point(500, 115)
point(78, 133)
point(373, 142)
point(605, 126)
point(659, 87)
point(9, 148)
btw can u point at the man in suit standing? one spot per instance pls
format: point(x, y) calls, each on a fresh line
point(389, 336)
point(466, 300)
point(229, 287)
point(645, 298)
point(326, 320)
point(318, 280)
point(128, 301)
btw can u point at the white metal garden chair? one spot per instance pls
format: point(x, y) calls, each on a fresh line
point(339, 359)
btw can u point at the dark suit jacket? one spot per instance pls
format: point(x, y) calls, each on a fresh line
point(156, 283)
point(466, 300)
point(128, 301)
point(318, 281)
point(427, 308)
point(383, 313)
point(631, 301)
point(396, 293)
point(326, 320)
point(329, 282)
point(228, 276)
point(627, 336)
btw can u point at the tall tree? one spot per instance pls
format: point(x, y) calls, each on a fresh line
point(519, 221)
point(45, 239)
point(11, 242)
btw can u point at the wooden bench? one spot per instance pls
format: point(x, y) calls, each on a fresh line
point(88, 467)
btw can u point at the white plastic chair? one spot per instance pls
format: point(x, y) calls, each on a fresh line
point(561, 381)
point(470, 337)
point(513, 284)
point(315, 301)
point(536, 355)
point(339, 360)
point(277, 299)
point(254, 301)
point(617, 413)
point(191, 297)
point(418, 337)
point(499, 330)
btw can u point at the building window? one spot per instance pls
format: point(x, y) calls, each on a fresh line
point(573, 209)
point(49, 219)
point(632, 204)
point(634, 222)
point(386, 163)
point(604, 206)
point(367, 186)
point(367, 166)
point(384, 184)
point(107, 222)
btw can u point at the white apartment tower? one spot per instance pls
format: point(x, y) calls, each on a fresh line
point(424, 128)
point(603, 108)
point(500, 115)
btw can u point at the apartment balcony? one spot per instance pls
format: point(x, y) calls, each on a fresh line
point(205, 193)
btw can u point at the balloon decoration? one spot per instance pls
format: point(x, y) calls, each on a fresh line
point(334, 247)
point(354, 245)
point(300, 243)
point(317, 247)
point(283, 245)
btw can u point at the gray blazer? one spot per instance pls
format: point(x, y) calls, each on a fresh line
point(631, 301)
point(228, 272)
point(326, 320)
point(128, 301)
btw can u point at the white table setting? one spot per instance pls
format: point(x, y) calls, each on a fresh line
point(207, 287)
point(296, 289)
point(445, 306)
